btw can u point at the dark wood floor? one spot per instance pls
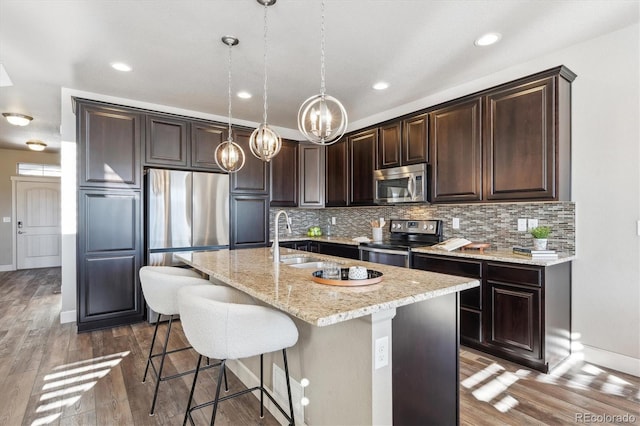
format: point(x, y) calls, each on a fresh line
point(49, 374)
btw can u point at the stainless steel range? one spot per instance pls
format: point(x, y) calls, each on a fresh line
point(405, 234)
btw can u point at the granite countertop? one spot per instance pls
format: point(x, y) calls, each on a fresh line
point(499, 255)
point(292, 290)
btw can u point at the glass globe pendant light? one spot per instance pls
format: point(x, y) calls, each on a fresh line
point(264, 142)
point(229, 155)
point(322, 119)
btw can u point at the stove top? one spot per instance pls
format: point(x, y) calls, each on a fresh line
point(406, 234)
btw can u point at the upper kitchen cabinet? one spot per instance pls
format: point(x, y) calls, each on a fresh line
point(362, 164)
point(253, 178)
point(527, 138)
point(414, 140)
point(456, 151)
point(205, 138)
point(390, 145)
point(109, 139)
point(311, 172)
point(166, 142)
point(284, 176)
point(337, 174)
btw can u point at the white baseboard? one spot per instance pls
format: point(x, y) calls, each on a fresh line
point(612, 360)
point(249, 379)
point(67, 316)
point(5, 268)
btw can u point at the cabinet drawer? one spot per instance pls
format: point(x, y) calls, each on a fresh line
point(470, 325)
point(514, 274)
point(465, 268)
point(471, 298)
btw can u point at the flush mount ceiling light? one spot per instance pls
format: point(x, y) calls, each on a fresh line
point(17, 119)
point(264, 142)
point(322, 119)
point(488, 39)
point(36, 145)
point(121, 66)
point(381, 85)
point(229, 155)
point(244, 95)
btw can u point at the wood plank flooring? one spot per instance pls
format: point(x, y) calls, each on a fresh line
point(51, 375)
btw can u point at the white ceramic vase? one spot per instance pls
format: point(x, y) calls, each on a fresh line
point(540, 243)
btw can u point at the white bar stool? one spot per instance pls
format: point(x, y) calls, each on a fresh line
point(219, 324)
point(160, 285)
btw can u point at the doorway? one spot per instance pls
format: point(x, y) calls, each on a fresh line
point(37, 222)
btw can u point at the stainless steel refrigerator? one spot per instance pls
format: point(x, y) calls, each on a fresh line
point(185, 211)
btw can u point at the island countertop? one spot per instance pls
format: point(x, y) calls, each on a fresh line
point(292, 290)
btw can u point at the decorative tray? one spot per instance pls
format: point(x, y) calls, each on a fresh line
point(373, 277)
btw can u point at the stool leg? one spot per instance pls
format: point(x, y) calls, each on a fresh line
point(153, 341)
point(187, 415)
point(226, 385)
point(164, 353)
point(261, 389)
point(215, 401)
point(286, 374)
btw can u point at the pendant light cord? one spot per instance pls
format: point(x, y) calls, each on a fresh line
point(264, 116)
point(322, 86)
point(230, 137)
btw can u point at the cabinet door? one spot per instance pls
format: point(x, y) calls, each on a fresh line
point(284, 176)
point(415, 141)
point(340, 250)
point(109, 140)
point(520, 145)
point(363, 162)
point(337, 174)
point(166, 141)
point(389, 145)
point(514, 323)
point(109, 253)
point(205, 138)
point(456, 155)
point(249, 221)
point(311, 164)
point(254, 176)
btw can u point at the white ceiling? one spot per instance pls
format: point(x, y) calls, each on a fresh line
point(419, 46)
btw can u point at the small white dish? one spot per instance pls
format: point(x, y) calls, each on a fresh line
point(358, 273)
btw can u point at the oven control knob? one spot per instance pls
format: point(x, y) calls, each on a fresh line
point(431, 227)
point(424, 226)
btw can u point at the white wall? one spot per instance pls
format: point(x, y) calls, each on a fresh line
point(605, 185)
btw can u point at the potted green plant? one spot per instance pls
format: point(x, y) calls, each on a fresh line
point(540, 235)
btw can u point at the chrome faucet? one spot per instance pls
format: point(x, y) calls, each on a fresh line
point(276, 239)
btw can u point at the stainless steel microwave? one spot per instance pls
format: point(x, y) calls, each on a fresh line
point(407, 184)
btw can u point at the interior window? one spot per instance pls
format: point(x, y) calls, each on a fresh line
point(31, 169)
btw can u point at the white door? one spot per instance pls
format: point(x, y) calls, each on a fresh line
point(37, 224)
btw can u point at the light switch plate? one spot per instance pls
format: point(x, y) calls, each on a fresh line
point(6, 219)
point(532, 223)
point(522, 225)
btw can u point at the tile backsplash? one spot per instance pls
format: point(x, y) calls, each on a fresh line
point(494, 223)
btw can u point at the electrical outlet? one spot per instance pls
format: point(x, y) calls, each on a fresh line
point(381, 352)
point(6, 219)
point(333, 220)
point(532, 223)
point(455, 223)
point(522, 225)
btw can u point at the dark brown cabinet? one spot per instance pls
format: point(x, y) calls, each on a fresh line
point(415, 140)
point(109, 148)
point(249, 221)
point(253, 178)
point(166, 142)
point(205, 138)
point(527, 138)
point(311, 172)
point(519, 312)
point(363, 147)
point(390, 145)
point(337, 174)
point(109, 254)
point(284, 176)
point(455, 141)
point(341, 250)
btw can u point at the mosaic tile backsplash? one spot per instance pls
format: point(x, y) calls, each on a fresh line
point(491, 223)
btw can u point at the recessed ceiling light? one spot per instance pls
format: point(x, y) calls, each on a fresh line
point(488, 39)
point(381, 85)
point(244, 95)
point(17, 119)
point(121, 66)
point(36, 145)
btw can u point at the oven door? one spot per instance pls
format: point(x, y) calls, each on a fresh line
point(385, 256)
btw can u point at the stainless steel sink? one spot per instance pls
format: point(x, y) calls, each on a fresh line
point(316, 265)
point(294, 260)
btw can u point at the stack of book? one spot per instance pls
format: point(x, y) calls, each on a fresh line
point(535, 254)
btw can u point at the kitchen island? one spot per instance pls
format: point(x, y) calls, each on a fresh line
point(412, 312)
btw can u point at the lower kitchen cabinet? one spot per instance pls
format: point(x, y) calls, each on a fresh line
point(520, 312)
point(109, 257)
point(340, 250)
point(249, 223)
